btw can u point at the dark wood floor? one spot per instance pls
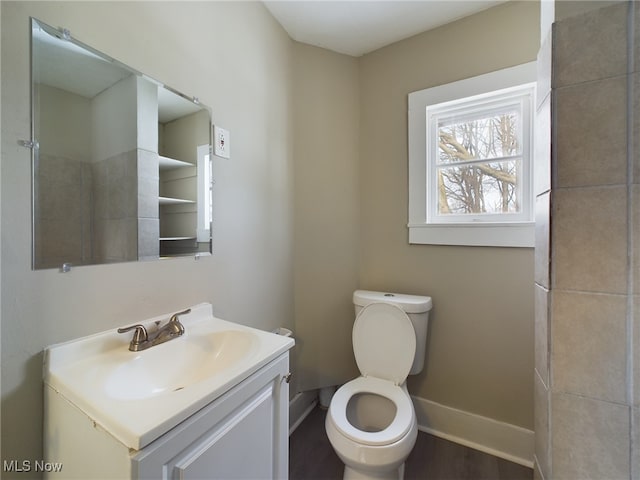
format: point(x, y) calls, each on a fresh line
point(312, 457)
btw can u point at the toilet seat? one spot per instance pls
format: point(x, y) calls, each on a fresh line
point(397, 429)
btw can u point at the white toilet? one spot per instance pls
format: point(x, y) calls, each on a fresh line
point(371, 423)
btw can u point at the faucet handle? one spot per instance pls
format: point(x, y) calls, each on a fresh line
point(139, 336)
point(177, 327)
point(174, 317)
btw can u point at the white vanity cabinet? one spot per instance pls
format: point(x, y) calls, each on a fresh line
point(242, 434)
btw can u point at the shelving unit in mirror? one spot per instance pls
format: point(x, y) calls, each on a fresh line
point(177, 233)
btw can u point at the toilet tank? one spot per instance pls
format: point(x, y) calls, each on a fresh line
point(415, 306)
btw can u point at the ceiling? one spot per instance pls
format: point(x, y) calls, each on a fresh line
point(65, 65)
point(357, 27)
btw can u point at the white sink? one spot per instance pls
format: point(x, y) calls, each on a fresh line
point(168, 368)
point(138, 396)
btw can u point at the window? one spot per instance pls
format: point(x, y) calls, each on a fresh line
point(205, 193)
point(470, 161)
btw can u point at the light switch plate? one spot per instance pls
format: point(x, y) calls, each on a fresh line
point(221, 142)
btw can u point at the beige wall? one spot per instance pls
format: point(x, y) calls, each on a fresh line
point(480, 348)
point(327, 240)
point(236, 59)
point(67, 132)
point(312, 204)
point(350, 219)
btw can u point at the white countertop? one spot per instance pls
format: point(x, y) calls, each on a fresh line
point(88, 372)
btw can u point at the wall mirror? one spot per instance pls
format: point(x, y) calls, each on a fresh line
point(121, 163)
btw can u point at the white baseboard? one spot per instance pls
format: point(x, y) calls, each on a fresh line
point(300, 406)
point(500, 439)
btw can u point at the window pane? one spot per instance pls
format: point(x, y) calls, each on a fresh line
point(488, 136)
point(482, 188)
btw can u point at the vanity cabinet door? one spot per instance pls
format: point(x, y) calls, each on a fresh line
point(241, 447)
point(241, 435)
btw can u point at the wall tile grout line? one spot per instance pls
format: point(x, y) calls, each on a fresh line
point(630, 229)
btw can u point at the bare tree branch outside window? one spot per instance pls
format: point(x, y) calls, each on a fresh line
point(479, 162)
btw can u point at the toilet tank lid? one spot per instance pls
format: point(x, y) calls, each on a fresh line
point(408, 303)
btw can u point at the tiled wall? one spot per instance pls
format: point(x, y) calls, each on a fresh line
point(62, 211)
point(96, 212)
point(147, 205)
point(125, 213)
point(587, 366)
point(115, 216)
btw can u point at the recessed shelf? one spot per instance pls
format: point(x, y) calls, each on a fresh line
point(173, 201)
point(174, 239)
point(167, 163)
point(176, 179)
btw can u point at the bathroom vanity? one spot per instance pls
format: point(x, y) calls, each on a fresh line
point(210, 404)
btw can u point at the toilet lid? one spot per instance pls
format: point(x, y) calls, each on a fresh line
point(384, 342)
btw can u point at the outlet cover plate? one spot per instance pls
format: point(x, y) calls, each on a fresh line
point(221, 142)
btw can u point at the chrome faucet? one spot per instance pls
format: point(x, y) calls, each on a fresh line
point(142, 339)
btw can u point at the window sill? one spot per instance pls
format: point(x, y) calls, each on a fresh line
point(475, 235)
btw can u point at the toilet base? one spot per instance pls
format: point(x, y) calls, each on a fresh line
point(352, 474)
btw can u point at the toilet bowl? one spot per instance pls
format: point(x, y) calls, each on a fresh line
point(370, 441)
point(371, 423)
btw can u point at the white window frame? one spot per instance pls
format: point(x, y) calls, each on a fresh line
point(501, 230)
point(204, 193)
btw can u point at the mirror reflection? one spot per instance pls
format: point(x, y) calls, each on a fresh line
point(121, 163)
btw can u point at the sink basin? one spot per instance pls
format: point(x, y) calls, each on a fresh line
point(194, 359)
point(138, 396)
